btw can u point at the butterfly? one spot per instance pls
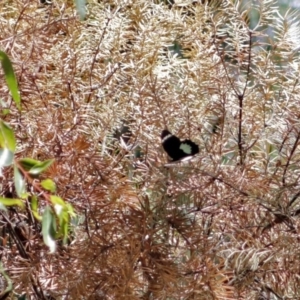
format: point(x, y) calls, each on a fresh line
point(176, 149)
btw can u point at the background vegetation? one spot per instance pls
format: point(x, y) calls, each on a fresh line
point(223, 226)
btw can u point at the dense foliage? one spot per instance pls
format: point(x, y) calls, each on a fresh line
point(96, 95)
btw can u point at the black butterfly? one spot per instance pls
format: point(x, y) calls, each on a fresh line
point(177, 149)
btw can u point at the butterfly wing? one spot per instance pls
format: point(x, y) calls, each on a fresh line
point(177, 149)
point(171, 144)
point(188, 147)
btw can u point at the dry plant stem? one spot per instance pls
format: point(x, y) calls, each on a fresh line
point(290, 157)
point(35, 184)
point(241, 99)
point(95, 55)
point(18, 242)
point(223, 226)
point(155, 88)
point(239, 96)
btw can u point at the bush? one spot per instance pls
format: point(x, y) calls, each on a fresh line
point(222, 226)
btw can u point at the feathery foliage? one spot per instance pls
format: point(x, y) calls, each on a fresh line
point(223, 226)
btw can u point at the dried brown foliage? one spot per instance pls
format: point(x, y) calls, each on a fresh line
point(224, 226)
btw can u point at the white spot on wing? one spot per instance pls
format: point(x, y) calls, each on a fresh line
point(186, 148)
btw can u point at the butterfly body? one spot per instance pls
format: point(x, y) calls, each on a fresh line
point(177, 149)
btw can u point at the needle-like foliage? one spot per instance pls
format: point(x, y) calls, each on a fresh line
point(96, 95)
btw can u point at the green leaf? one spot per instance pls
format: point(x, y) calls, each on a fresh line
point(63, 211)
point(2, 207)
point(49, 228)
point(77, 220)
point(57, 200)
point(10, 78)
point(9, 285)
point(19, 183)
point(65, 232)
point(80, 6)
point(12, 202)
point(49, 185)
point(70, 210)
point(28, 163)
point(34, 203)
point(63, 225)
point(41, 167)
point(6, 157)
point(58, 203)
point(37, 216)
point(7, 137)
point(5, 111)
point(34, 207)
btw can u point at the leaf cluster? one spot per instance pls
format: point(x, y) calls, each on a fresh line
point(96, 94)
